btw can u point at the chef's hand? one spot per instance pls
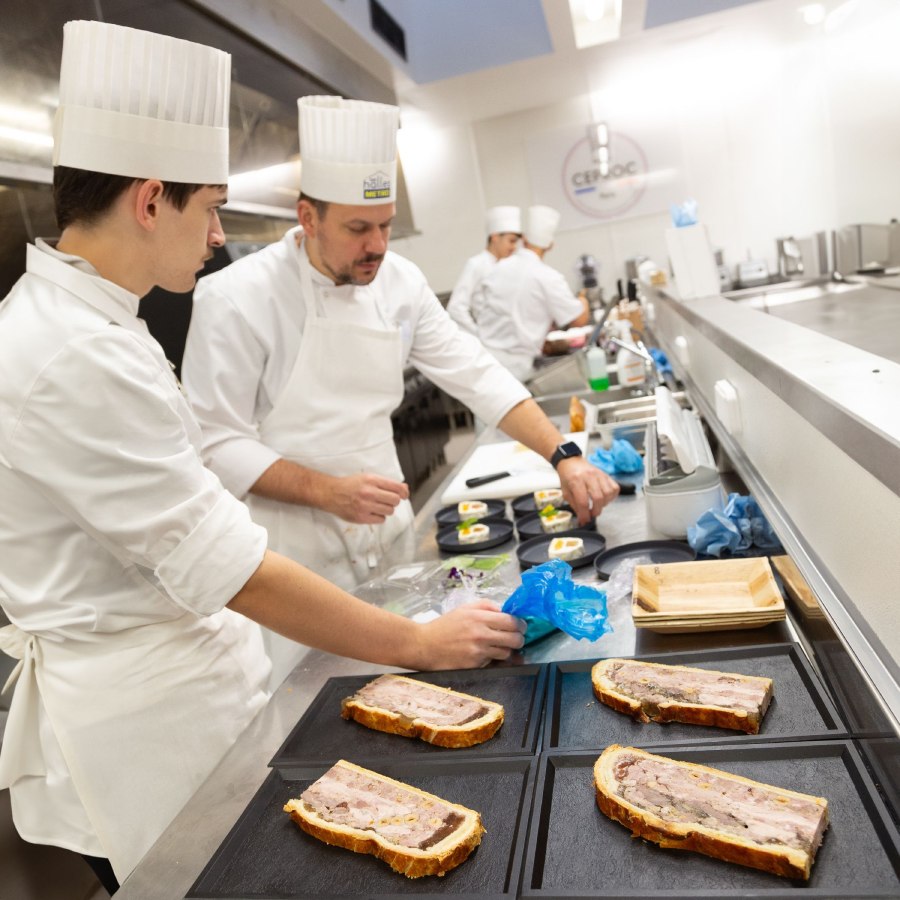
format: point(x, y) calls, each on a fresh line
point(469, 637)
point(586, 488)
point(366, 498)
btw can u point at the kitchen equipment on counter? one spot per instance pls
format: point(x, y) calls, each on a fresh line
point(680, 477)
point(753, 272)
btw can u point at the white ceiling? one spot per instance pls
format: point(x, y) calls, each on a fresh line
point(450, 38)
point(470, 60)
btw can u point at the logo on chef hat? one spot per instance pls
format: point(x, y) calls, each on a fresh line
point(615, 193)
point(377, 186)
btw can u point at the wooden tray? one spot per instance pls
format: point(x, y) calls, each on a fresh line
point(706, 595)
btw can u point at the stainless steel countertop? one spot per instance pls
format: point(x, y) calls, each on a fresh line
point(175, 861)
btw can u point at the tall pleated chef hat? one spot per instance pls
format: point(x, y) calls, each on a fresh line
point(503, 219)
point(348, 150)
point(142, 105)
point(540, 225)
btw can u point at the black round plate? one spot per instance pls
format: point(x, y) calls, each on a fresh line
point(501, 532)
point(534, 552)
point(522, 506)
point(657, 551)
point(449, 515)
point(530, 526)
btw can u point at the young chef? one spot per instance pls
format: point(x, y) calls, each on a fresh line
point(521, 298)
point(295, 356)
point(125, 562)
point(504, 228)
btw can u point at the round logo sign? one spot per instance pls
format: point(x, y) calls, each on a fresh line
point(610, 195)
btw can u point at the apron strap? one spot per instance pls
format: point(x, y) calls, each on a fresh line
point(21, 753)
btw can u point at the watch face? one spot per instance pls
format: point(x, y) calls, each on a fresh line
point(565, 451)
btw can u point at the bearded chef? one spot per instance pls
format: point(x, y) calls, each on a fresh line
point(133, 580)
point(522, 298)
point(295, 356)
point(504, 228)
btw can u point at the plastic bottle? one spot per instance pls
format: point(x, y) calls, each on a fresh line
point(631, 365)
point(598, 377)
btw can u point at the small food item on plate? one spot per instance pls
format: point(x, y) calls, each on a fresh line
point(565, 548)
point(685, 806)
point(472, 509)
point(551, 496)
point(414, 832)
point(412, 708)
point(555, 519)
point(667, 693)
point(473, 532)
point(576, 414)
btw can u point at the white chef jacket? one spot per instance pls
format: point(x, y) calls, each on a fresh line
point(245, 335)
point(520, 300)
point(460, 305)
point(112, 535)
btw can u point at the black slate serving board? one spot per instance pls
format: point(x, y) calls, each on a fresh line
point(800, 708)
point(575, 851)
point(322, 736)
point(266, 855)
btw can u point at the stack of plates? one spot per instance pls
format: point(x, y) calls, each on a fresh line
point(713, 595)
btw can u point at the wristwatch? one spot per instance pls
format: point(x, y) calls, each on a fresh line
point(564, 451)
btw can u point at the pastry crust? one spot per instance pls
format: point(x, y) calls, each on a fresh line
point(414, 863)
point(646, 710)
point(789, 862)
point(451, 736)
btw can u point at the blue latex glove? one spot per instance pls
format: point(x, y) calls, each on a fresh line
point(547, 592)
point(734, 531)
point(684, 214)
point(620, 459)
point(663, 366)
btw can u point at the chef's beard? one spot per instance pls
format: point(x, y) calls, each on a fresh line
point(345, 276)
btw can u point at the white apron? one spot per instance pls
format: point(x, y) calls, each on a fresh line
point(334, 416)
point(140, 716)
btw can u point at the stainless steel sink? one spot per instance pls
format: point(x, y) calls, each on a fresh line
point(785, 292)
point(620, 404)
point(566, 374)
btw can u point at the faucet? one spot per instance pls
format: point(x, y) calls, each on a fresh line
point(790, 260)
point(651, 379)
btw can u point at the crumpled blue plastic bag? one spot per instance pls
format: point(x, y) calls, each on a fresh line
point(621, 458)
point(684, 214)
point(547, 592)
point(663, 366)
point(740, 527)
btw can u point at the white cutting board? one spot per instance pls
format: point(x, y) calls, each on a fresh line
point(528, 471)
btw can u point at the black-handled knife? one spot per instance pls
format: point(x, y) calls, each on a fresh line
point(479, 480)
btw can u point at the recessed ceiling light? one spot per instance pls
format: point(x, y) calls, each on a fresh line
point(595, 21)
point(813, 13)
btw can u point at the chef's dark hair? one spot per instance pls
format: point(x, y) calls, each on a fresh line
point(320, 205)
point(85, 197)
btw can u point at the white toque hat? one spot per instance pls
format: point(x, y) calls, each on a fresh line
point(348, 150)
point(540, 225)
point(503, 219)
point(142, 105)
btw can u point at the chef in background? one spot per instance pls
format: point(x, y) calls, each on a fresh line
point(295, 356)
point(504, 228)
point(522, 298)
point(133, 580)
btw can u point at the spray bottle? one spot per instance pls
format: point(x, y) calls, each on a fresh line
point(631, 364)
